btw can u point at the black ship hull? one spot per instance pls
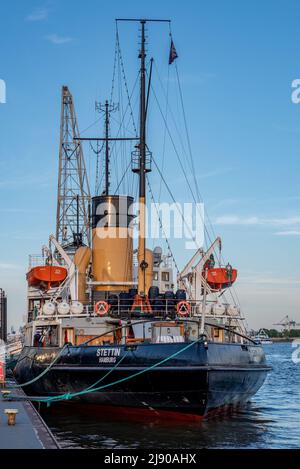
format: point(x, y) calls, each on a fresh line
point(198, 380)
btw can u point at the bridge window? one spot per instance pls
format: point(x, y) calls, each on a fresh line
point(165, 276)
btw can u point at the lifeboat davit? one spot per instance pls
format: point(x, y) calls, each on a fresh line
point(221, 277)
point(46, 276)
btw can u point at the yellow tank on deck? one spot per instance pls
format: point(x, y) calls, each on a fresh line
point(81, 260)
point(112, 247)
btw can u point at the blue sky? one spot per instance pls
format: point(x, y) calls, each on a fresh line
point(237, 61)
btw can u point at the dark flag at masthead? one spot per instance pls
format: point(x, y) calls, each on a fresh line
point(173, 53)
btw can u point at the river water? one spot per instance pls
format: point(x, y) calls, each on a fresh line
point(270, 420)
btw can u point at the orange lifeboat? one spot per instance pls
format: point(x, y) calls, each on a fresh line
point(46, 276)
point(221, 277)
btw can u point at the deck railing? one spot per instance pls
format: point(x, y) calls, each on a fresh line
point(163, 308)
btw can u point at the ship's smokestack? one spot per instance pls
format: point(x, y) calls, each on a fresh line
point(112, 242)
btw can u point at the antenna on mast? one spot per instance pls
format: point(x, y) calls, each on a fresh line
point(107, 109)
point(73, 197)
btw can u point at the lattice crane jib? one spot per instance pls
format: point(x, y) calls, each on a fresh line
point(73, 198)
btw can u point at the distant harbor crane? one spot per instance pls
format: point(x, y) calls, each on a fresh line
point(287, 324)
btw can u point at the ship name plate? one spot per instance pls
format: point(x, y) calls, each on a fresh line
point(108, 355)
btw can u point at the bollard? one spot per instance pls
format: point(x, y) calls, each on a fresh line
point(11, 416)
point(2, 374)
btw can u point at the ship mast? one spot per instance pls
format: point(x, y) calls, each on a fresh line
point(144, 157)
point(142, 170)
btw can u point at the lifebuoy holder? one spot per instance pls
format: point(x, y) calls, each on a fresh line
point(101, 308)
point(183, 308)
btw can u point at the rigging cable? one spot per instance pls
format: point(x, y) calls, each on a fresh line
point(123, 177)
point(179, 160)
point(200, 198)
point(187, 135)
point(167, 130)
point(124, 78)
point(120, 124)
point(165, 133)
point(97, 153)
point(174, 120)
point(162, 228)
point(235, 300)
point(178, 156)
point(114, 71)
point(173, 199)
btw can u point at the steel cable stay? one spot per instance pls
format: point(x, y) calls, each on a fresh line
point(124, 78)
point(129, 97)
point(190, 153)
point(118, 148)
point(233, 291)
point(118, 60)
point(178, 156)
point(111, 98)
point(162, 228)
point(170, 111)
point(235, 300)
point(121, 76)
point(97, 153)
point(91, 125)
point(122, 178)
point(174, 201)
point(200, 198)
point(114, 150)
point(89, 167)
point(114, 70)
point(175, 148)
point(180, 163)
point(125, 126)
point(165, 133)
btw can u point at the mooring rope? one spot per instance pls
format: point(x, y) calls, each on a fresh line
point(67, 396)
point(43, 372)
point(108, 373)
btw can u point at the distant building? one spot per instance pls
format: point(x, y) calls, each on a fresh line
point(3, 315)
point(162, 271)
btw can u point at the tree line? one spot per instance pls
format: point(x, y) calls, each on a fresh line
point(285, 333)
